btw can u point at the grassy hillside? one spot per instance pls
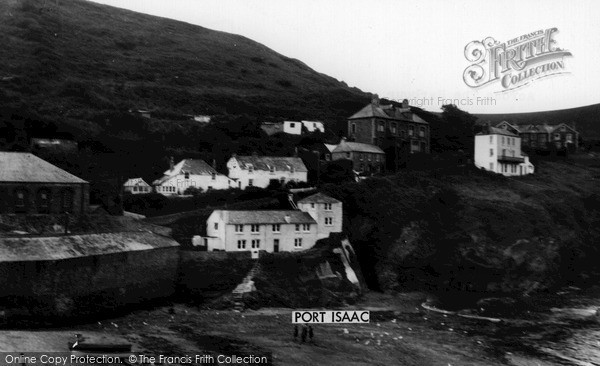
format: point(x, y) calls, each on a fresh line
point(66, 60)
point(586, 119)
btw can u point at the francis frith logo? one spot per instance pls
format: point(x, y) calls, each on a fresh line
point(516, 62)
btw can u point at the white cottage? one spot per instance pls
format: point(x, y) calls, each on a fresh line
point(191, 173)
point(499, 150)
point(259, 171)
point(273, 230)
point(136, 186)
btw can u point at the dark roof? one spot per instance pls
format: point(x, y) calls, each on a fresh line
point(497, 131)
point(265, 217)
point(350, 146)
point(28, 168)
point(319, 198)
point(543, 127)
point(387, 111)
point(265, 163)
point(135, 182)
point(73, 246)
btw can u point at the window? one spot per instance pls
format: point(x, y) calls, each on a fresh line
point(298, 243)
point(272, 169)
point(297, 229)
point(312, 205)
point(492, 166)
point(292, 125)
point(503, 152)
point(380, 126)
point(20, 200)
point(250, 182)
point(569, 137)
point(43, 201)
point(491, 139)
point(241, 244)
point(292, 170)
point(502, 140)
point(354, 128)
point(135, 188)
point(369, 157)
point(394, 129)
point(187, 175)
point(250, 168)
point(422, 131)
point(348, 155)
point(66, 200)
point(328, 157)
point(491, 152)
point(276, 228)
point(216, 226)
point(411, 130)
point(314, 125)
point(557, 136)
point(254, 228)
point(306, 227)
point(329, 221)
point(361, 156)
point(239, 228)
point(328, 207)
point(255, 243)
point(214, 176)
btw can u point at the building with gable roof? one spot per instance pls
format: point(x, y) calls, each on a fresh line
point(389, 127)
point(190, 173)
point(326, 211)
point(259, 171)
point(540, 136)
point(136, 186)
point(498, 150)
point(31, 185)
point(365, 157)
point(274, 230)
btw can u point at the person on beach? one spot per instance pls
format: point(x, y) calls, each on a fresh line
point(304, 332)
point(310, 333)
point(296, 332)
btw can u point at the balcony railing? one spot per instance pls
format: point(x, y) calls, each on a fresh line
point(510, 159)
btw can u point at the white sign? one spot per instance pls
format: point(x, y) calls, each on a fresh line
point(330, 317)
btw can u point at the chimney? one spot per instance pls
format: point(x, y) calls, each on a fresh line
point(405, 103)
point(214, 164)
point(375, 99)
point(171, 163)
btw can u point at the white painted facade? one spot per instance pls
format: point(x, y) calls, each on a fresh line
point(271, 237)
point(292, 127)
point(312, 126)
point(260, 174)
point(501, 153)
point(191, 173)
point(274, 231)
point(136, 186)
point(326, 211)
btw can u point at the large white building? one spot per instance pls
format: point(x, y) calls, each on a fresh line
point(499, 150)
point(259, 171)
point(273, 230)
point(191, 173)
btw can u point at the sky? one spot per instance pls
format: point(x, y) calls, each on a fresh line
point(415, 50)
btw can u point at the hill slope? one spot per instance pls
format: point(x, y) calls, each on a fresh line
point(70, 58)
point(586, 119)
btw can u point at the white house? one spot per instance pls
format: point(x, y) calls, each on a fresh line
point(499, 150)
point(292, 127)
point(259, 171)
point(190, 173)
point(326, 211)
point(136, 186)
point(273, 230)
point(312, 126)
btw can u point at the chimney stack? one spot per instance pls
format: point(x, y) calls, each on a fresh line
point(171, 163)
point(375, 99)
point(405, 103)
point(214, 164)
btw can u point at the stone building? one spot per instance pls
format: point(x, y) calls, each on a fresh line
point(30, 185)
point(396, 130)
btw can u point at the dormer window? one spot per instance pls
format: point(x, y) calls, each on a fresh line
point(214, 176)
point(272, 169)
point(250, 168)
point(187, 175)
point(292, 170)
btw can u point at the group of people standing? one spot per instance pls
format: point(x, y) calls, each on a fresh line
point(307, 331)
